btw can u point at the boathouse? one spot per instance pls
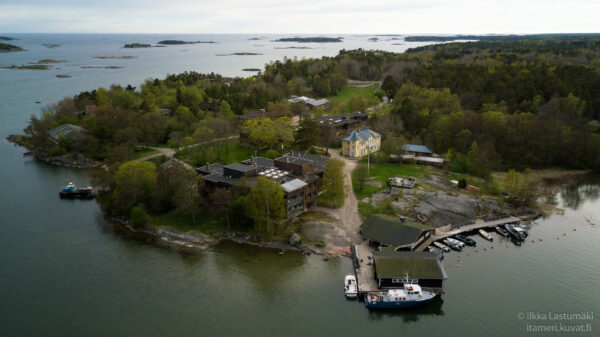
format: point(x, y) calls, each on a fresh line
point(423, 268)
point(388, 231)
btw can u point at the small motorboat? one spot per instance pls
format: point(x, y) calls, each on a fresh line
point(437, 251)
point(501, 231)
point(485, 234)
point(72, 192)
point(410, 295)
point(466, 240)
point(521, 230)
point(350, 287)
point(441, 246)
point(517, 234)
point(453, 243)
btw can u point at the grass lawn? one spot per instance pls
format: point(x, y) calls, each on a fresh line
point(327, 200)
point(381, 172)
point(237, 152)
point(143, 153)
point(344, 95)
point(205, 222)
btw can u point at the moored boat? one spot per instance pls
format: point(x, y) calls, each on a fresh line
point(350, 287)
point(453, 243)
point(501, 231)
point(466, 240)
point(410, 295)
point(514, 232)
point(437, 251)
point(485, 234)
point(441, 246)
point(72, 192)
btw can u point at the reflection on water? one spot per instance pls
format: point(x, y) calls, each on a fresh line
point(574, 195)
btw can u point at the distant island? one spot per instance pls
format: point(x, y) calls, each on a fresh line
point(49, 61)
point(6, 38)
point(319, 39)
point(239, 54)
point(115, 57)
point(374, 39)
point(6, 48)
point(254, 38)
point(63, 76)
point(176, 42)
point(293, 47)
point(494, 38)
point(27, 67)
point(251, 69)
point(137, 45)
point(51, 45)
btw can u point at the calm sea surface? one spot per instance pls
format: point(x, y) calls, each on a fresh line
point(64, 272)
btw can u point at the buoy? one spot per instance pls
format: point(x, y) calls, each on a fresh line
point(492, 247)
point(540, 239)
point(564, 234)
point(518, 243)
point(574, 229)
point(532, 241)
point(484, 249)
point(507, 246)
point(476, 251)
point(468, 254)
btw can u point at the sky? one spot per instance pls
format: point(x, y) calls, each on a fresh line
point(300, 16)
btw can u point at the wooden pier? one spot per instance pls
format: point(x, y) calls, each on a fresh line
point(479, 224)
point(364, 269)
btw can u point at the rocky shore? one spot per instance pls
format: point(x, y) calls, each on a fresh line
point(69, 161)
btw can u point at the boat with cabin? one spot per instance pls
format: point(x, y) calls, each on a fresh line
point(350, 286)
point(517, 234)
point(441, 246)
point(72, 192)
point(410, 295)
point(485, 235)
point(453, 243)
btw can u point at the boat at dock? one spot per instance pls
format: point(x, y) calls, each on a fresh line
point(466, 240)
point(516, 232)
point(350, 287)
point(453, 243)
point(501, 231)
point(436, 250)
point(72, 192)
point(441, 246)
point(410, 295)
point(485, 234)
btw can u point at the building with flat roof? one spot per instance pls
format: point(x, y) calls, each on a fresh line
point(423, 268)
point(310, 102)
point(298, 173)
point(419, 154)
point(387, 231)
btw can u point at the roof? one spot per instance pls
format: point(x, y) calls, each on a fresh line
point(293, 185)
point(308, 100)
point(240, 167)
point(362, 135)
point(389, 230)
point(210, 168)
point(294, 160)
point(65, 130)
point(260, 162)
point(416, 148)
point(419, 265)
point(218, 178)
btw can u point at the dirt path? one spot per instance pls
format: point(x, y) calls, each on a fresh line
point(341, 233)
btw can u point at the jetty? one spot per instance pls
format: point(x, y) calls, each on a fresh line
point(440, 233)
point(364, 268)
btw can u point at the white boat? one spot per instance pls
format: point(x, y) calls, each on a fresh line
point(442, 246)
point(454, 244)
point(410, 295)
point(485, 234)
point(350, 288)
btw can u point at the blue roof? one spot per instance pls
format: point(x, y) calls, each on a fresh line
point(362, 135)
point(416, 148)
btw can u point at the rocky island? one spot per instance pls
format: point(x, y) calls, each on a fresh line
point(178, 42)
point(137, 45)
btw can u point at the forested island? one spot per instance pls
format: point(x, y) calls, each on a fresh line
point(6, 38)
point(496, 38)
point(178, 42)
point(486, 106)
point(319, 39)
point(6, 47)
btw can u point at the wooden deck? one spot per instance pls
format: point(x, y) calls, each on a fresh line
point(365, 271)
point(440, 234)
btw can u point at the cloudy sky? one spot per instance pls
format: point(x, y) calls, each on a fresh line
point(299, 16)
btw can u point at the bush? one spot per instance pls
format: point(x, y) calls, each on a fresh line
point(462, 183)
point(138, 217)
point(271, 154)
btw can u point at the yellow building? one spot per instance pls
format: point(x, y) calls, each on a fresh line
point(360, 143)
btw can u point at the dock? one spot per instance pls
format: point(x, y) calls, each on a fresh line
point(440, 234)
point(364, 269)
